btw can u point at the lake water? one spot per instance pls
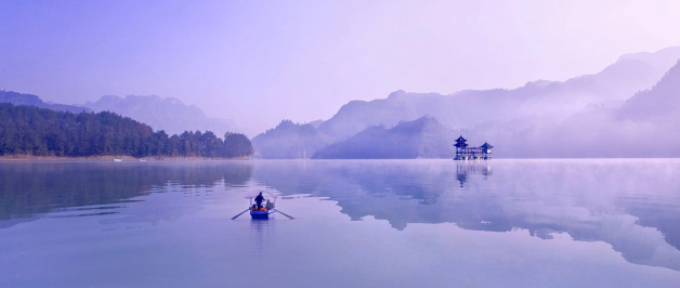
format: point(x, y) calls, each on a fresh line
point(413, 223)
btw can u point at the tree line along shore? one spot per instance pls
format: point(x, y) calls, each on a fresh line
point(35, 133)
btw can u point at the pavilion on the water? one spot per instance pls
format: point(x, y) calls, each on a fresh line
point(463, 152)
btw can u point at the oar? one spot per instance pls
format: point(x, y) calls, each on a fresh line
point(284, 214)
point(239, 214)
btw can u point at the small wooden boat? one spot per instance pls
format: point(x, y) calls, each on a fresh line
point(261, 214)
point(265, 212)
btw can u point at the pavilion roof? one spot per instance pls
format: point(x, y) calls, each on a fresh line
point(486, 146)
point(461, 139)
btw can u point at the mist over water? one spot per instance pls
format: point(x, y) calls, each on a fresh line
point(387, 223)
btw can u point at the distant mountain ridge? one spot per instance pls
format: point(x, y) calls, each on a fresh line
point(469, 108)
point(518, 121)
point(660, 60)
point(421, 138)
point(644, 126)
point(289, 140)
point(661, 101)
point(33, 100)
point(167, 114)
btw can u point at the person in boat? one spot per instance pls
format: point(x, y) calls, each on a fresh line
point(269, 205)
point(258, 200)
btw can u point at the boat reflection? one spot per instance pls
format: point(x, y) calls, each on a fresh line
point(263, 236)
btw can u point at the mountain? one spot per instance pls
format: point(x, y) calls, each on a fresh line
point(33, 100)
point(167, 114)
point(660, 102)
point(549, 101)
point(644, 126)
point(421, 138)
point(659, 60)
point(289, 140)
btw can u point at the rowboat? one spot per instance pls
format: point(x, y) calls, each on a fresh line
point(261, 214)
point(265, 212)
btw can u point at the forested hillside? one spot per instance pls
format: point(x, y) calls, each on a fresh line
point(27, 130)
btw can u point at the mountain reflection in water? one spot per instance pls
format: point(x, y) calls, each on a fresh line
point(633, 205)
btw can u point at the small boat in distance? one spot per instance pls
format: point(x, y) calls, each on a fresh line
point(264, 211)
point(142, 160)
point(117, 160)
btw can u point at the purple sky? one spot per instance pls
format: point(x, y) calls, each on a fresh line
point(262, 61)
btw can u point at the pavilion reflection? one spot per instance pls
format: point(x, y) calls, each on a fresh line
point(475, 167)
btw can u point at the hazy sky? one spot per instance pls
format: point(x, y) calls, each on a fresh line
point(262, 61)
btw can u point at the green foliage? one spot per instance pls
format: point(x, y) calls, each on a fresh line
point(236, 145)
point(27, 130)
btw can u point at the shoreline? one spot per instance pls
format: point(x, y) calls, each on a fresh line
point(16, 158)
point(110, 158)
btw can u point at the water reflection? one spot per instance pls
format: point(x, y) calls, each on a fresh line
point(465, 168)
point(262, 235)
point(633, 206)
point(28, 189)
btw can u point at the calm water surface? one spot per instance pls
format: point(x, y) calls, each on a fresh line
point(415, 223)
